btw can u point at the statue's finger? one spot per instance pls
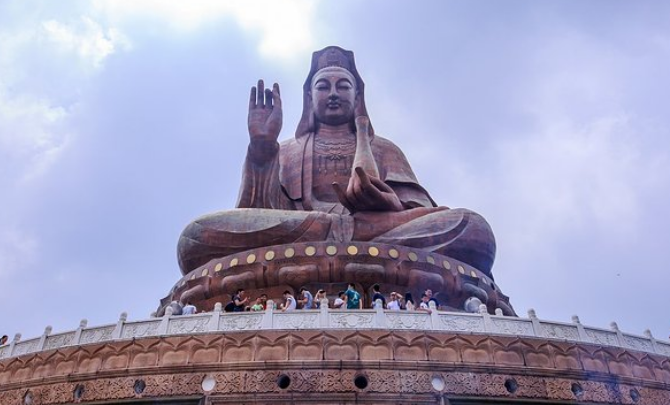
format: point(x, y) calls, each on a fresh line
point(343, 198)
point(379, 184)
point(276, 95)
point(268, 98)
point(365, 179)
point(261, 93)
point(252, 98)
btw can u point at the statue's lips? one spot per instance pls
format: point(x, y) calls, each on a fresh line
point(333, 106)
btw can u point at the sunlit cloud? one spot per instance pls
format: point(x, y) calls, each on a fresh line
point(284, 28)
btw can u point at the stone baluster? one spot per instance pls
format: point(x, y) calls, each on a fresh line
point(580, 329)
point(651, 338)
point(77, 334)
point(214, 320)
point(268, 316)
point(324, 317)
point(43, 338)
point(619, 335)
point(499, 312)
point(484, 312)
point(118, 330)
point(12, 344)
point(434, 316)
point(537, 329)
point(380, 315)
point(165, 321)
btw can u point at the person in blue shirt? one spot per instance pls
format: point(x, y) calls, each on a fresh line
point(306, 300)
point(353, 298)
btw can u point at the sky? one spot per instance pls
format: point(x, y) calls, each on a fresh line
point(123, 120)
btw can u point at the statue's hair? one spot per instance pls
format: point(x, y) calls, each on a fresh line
point(329, 56)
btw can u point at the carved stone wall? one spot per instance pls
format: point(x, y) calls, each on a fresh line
point(336, 366)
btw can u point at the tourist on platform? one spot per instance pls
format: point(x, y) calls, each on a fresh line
point(305, 299)
point(423, 305)
point(258, 305)
point(409, 302)
point(340, 300)
point(321, 294)
point(377, 295)
point(429, 293)
point(189, 309)
point(289, 302)
point(264, 301)
point(3, 340)
point(394, 302)
point(353, 297)
point(240, 301)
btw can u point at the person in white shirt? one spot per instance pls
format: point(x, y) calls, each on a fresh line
point(394, 302)
point(340, 300)
point(289, 304)
point(423, 305)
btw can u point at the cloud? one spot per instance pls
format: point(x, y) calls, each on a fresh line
point(285, 28)
point(87, 39)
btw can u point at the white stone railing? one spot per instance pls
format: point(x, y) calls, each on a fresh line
point(218, 321)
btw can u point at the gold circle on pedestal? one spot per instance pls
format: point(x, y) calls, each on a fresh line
point(352, 250)
point(251, 258)
point(205, 272)
point(310, 250)
point(373, 251)
point(412, 256)
point(234, 262)
point(193, 276)
point(394, 253)
point(331, 250)
point(430, 260)
point(446, 264)
point(289, 252)
point(269, 255)
point(461, 269)
point(473, 274)
point(218, 267)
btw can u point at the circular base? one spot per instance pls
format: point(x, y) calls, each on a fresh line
point(331, 266)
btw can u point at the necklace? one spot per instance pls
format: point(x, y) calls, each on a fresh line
point(334, 155)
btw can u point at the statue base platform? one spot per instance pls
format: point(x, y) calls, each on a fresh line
point(331, 266)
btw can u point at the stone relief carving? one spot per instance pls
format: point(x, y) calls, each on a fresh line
point(552, 330)
point(28, 346)
point(351, 320)
point(186, 325)
point(240, 322)
point(296, 321)
point(96, 335)
point(61, 340)
point(408, 321)
point(461, 323)
point(510, 327)
point(140, 329)
point(602, 337)
point(638, 343)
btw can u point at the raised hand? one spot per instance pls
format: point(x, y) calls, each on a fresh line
point(265, 114)
point(366, 193)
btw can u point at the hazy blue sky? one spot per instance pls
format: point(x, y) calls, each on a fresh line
point(123, 120)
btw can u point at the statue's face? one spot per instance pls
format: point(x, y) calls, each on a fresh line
point(333, 96)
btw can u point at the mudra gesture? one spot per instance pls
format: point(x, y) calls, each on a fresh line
point(336, 181)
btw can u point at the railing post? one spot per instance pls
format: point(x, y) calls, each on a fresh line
point(77, 333)
point(537, 330)
point(434, 316)
point(216, 314)
point(380, 315)
point(324, 319)
point(165, 321)
point(580, 329)
point(118, 330)
point(43, 338)
point(651, 338)
point(267, 322)
point(619, 335)
point(484, 312)
point(17, 339)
